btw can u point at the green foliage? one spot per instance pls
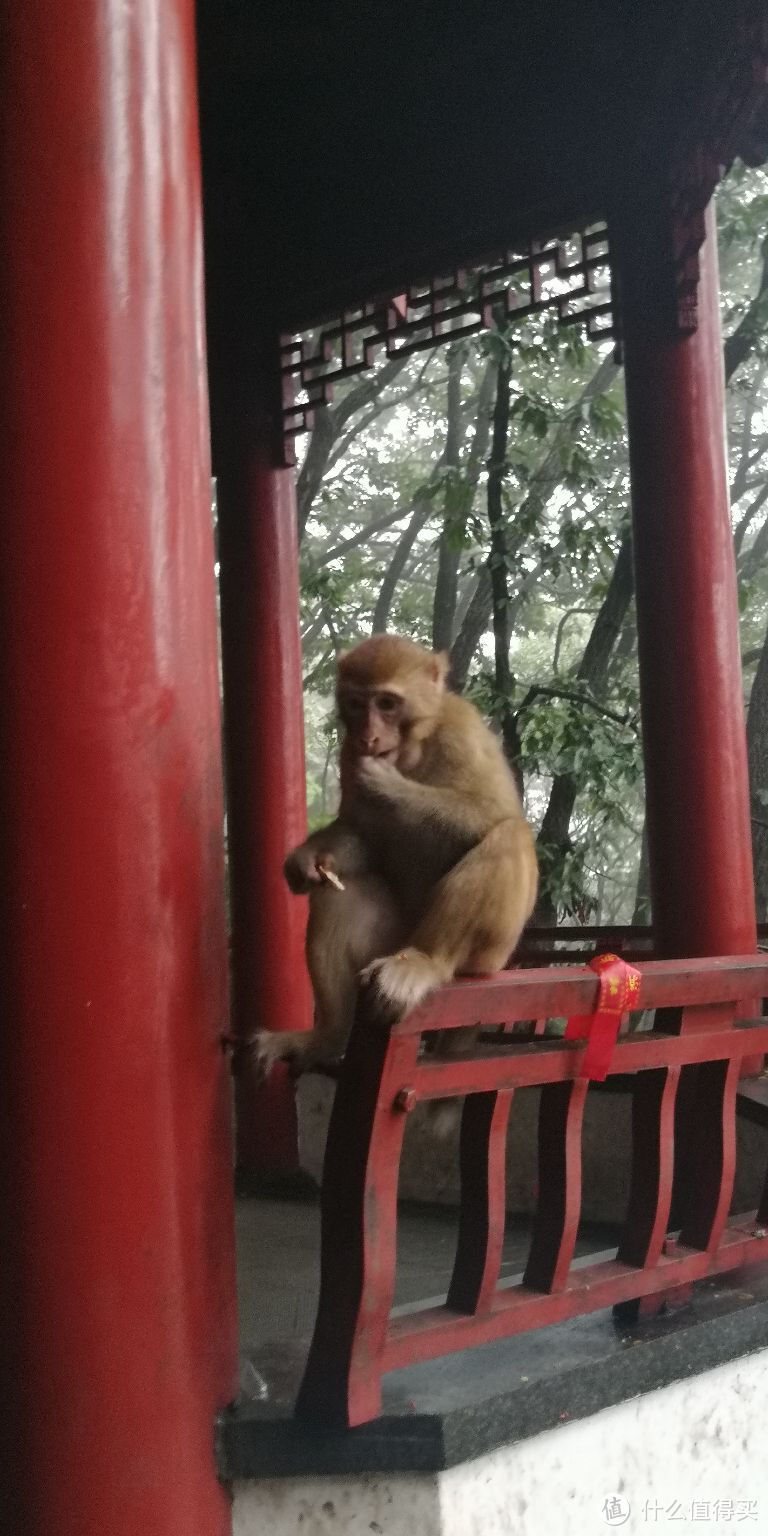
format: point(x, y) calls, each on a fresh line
point(563, 736)
point(563, 872)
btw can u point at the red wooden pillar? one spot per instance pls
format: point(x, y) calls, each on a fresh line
point(266, 787)
point(117, 1305)
point(687, 616)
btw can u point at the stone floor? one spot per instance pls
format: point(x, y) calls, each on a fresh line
point(455, 1408)
point(278, 1275)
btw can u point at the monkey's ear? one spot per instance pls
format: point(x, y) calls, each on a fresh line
point(438, 668)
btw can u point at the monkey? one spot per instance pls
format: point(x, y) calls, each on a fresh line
point(429, 870)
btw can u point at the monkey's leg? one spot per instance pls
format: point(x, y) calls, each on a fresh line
point(473, 920)
point(345, 930)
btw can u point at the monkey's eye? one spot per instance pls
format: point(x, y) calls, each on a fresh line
point(388, 703)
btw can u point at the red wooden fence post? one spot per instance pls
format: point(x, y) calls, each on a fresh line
point(687, 616)
point(117, 1306)
point(266, 789)
point(342, 1379)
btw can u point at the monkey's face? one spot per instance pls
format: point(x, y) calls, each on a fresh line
point(389, 694)
point(374, 720)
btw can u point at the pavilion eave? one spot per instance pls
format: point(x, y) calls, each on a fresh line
point(345, 159)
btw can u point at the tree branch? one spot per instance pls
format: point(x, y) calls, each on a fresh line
point(575, 698)
point(389, 404)
point(328, 425)
point(743, 340)
point(543, 483)
point(376, 525)
point(592, 670)
point(498, 573)
point(742, 526)
point(420, 515)
point(560, 633)
point(757, 550)
point(445, 582)
point(458, 505)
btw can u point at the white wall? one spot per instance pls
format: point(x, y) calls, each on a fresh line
point(700, 1440)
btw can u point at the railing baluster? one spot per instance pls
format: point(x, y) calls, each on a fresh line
point(711, 1163)
point(650, 1190)
point(342, 1380)
point(482, 1215)
point(688, 1073)
point(559, 1204)
point(651, 1180)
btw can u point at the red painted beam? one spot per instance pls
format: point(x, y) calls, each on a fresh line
point(687, 616)
point(117, 1310)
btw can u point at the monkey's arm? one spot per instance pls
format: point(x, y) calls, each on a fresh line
point(337, 848)
point(419, 808)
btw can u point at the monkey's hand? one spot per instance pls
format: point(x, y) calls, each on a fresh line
point(378, 778)
point(329, 857)
point(307, 867)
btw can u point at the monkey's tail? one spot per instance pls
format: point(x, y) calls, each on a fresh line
point(402, 981)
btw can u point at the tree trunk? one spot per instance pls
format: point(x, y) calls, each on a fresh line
point(444, 604)
point(751, 328)
point(310, 476)
point(327, 429)
point(459, 496)
point(498, 574)
point(642, 913)
point(423, 508)
point(542, 486)
point(421, 513)
point(592, 670)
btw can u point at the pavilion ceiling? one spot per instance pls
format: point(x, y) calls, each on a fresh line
point(354, 145)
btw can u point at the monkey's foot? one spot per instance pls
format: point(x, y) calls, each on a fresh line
point(402, 981)
point(301, 1050)
point(270, 1045)
point(266, 1047)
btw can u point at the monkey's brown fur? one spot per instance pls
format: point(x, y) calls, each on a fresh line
point(430, 843)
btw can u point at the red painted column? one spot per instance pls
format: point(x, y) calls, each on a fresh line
point(117, 1306)
point(266, 786)
point(687, 616)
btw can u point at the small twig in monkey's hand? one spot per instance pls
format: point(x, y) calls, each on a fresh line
point(331, 876)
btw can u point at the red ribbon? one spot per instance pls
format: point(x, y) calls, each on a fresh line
point(618, 994)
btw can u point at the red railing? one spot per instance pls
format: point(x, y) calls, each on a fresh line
point(553, 946)
point(699, 1038)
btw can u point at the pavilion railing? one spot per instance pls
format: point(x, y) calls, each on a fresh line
point(553, 946)
point(683, 1075)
